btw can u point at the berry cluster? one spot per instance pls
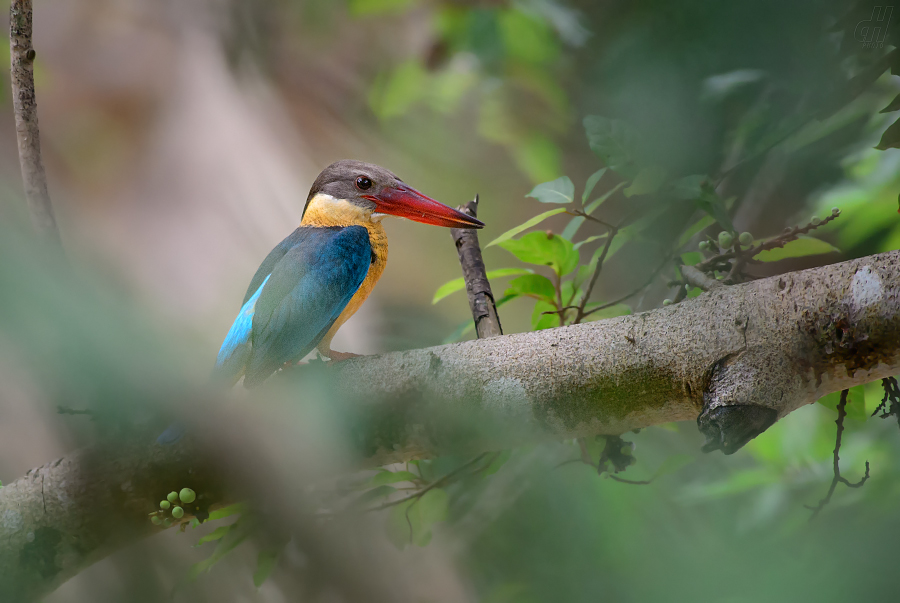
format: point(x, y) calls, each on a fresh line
point(173, 505)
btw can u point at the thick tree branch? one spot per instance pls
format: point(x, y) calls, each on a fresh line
point(481, 298)
point(25, 106)
point(738, 356)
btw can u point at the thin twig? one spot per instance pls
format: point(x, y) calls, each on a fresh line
point(842, 412)
point(34, 179)
point(611, 234)
point(633, 292)
point(435, 484)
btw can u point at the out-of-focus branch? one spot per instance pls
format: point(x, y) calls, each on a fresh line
point(27, 132)
point(695, 278)
point(481, 298)
point(62, 517)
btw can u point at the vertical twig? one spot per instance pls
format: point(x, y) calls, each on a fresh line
point(22, 54)
point(836, 463)
point(481, 299)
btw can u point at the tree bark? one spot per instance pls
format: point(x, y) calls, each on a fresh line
point(478, 288)
point(738, 358)
point(27, 132)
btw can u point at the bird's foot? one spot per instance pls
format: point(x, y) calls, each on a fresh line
point(341, 356)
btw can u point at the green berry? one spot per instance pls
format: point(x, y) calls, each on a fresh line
point(667, 302)
point(187, 495)
point(165, 505)
point(156, 520)
point(177, 512)
point(704, 245)
point(815, 221)
point(746, 238)
point(726, 239)
point(173, 497)
point(167, 523)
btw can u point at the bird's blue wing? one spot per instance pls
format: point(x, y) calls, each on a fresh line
point(296, 304)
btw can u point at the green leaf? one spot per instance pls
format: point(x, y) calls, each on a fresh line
point(649, 180)
point(265, 563)
point(216, 534)
point(800, 247)
point(610, 312)
point(713, 205)
point(497, 463)
point(521, 227)
point(599, 200)
point(228, 511)
point(691, 258)
point(239, 532)
point(527, 37)
point(373, 494)
point(411, 522)
point(532, 285)
point(591, 183)
point(614, 142)
point(589, 240)
point(698, 226)
point(689, 187)
point(539, 320)
point(392, 477)
point(544, 249)
point(856, 403)
point(891, 137)
point(433, 506)
point(560, 190)
point(894, 106)
point(458, 284)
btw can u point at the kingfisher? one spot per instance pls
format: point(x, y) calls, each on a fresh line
point(320, 274)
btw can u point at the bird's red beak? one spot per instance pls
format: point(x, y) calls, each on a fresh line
point(407, 202)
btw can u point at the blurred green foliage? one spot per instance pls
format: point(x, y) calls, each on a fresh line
point(701, 117)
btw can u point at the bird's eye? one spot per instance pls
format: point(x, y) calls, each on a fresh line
point(363, 183)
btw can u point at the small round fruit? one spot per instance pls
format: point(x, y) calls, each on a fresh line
point(746, 238)
point(156, 520)
point(815, 221)
point(165, 505)
point(173, 497)
point(177, 512)
point(187, 495)
point(726, 239)
point(704, 245)
point(667, 302)
point(835, 211)
point(167, 523)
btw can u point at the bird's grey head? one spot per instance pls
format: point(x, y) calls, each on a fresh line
point(349, 179)
point(378, 191)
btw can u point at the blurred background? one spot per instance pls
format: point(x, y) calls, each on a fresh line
point(181, 138)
